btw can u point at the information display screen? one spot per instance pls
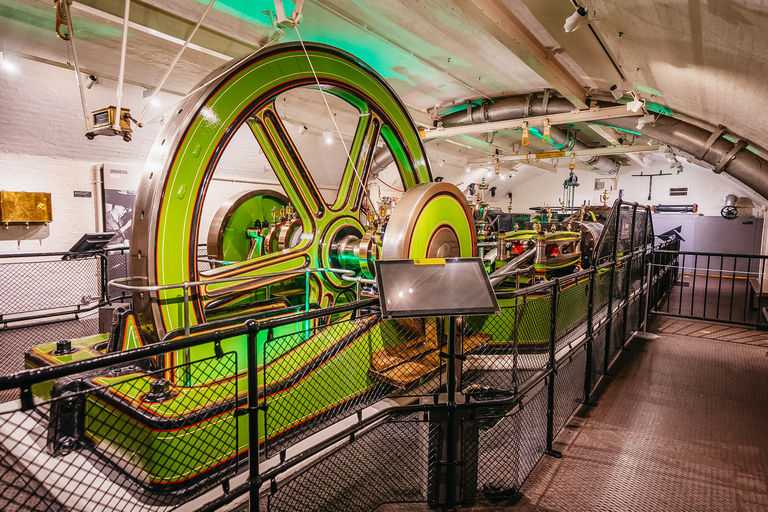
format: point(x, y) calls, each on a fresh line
point(434, 287)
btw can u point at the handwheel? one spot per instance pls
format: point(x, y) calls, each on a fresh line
point(183, 160)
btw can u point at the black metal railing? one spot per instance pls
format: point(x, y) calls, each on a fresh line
point(713, 286)
point(349, 414)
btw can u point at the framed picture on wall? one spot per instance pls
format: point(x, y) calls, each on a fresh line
point(119, 193)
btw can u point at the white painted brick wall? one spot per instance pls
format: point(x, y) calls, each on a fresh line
point(43, 147)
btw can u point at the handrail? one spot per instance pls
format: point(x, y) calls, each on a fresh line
point(119, 282)
point(716, 254)
point(186, 285)
point(27, 378)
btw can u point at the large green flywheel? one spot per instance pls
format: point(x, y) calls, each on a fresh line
point(185, 156)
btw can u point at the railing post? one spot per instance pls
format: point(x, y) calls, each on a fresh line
point(628, 278)
point(551, 379)
point(454, 421)
point(611, 285)
point(104, 279)
point(590, 342)
point(643, 291)
point(254, 477)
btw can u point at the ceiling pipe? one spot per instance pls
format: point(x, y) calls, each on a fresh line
point(516, 107)
point(710, 147)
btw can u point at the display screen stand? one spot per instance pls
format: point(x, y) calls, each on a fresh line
point(434, 287)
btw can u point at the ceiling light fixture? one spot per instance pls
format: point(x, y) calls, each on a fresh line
point(6, 65)
point(648, 119)
point(636, 104)
point(328, 136)
point(442, 163)
point(93, 80)
point(576, 20)
point(303, 130)
point(468, 168)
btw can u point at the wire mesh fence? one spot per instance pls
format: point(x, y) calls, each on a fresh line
point(120, 440)
point(366, 473)
point(349, 412)
point(70, 285)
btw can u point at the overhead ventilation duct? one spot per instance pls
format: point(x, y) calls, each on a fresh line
point(710, 147)
point(517, 107)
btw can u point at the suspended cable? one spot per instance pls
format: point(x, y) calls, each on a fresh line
point(71, 44)
point(175, 61)
point(333, 118)
point(224, 71)
point(121, 75)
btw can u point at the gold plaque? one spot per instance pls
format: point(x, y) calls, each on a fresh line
point(25, 206)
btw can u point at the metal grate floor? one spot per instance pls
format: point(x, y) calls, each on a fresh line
point(681, 427)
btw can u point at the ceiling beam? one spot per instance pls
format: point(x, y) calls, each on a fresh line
point(153, 20)
point(610, 150)
point(610, 138)
point(574, 116)
point(510, 31)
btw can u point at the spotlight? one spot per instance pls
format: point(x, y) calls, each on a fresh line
point(303, 130)
point(489, 173)
point(328, 136)
point(468, 168)
point(616, 92)
point(6, 65)
point(91, 81)
point(442, 163)
point(645, 120)
point(575, 20)
point(636, 104)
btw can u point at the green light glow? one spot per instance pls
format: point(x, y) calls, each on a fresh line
point(659, 109)
point(617, 128)
point(647, 89)
point(652, 107)
point(249, 10)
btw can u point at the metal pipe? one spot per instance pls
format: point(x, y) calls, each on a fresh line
point(511, 268)
point(121, 75)
point(747, 167)
point(726, 156)
point(516, 107)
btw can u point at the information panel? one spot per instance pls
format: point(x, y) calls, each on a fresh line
point(434, 287)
